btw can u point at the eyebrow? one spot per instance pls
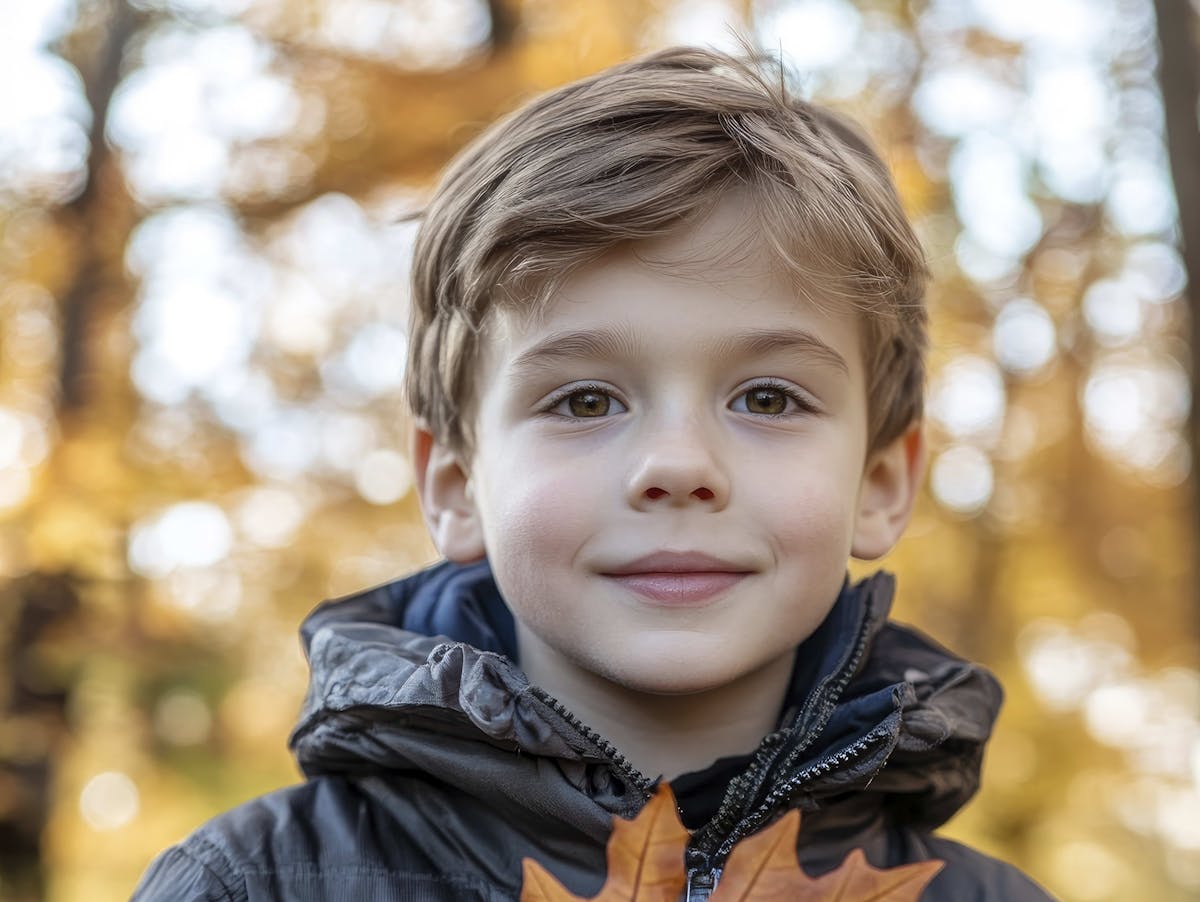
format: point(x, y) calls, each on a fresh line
point(593, 344)
point(767, 341)
point(582, 344)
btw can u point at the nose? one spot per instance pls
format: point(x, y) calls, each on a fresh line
point(677, 468)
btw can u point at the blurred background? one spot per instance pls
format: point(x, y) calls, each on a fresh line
point(202, 306)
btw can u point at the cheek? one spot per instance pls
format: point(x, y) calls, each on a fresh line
point(811, 517)
point(536, 518)
point(814, 526)
point(526, 502)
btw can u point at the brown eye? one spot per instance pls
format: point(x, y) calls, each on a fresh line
point(588, 404)
point(766, 401)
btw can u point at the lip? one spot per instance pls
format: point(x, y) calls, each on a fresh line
point(676, 562)
point(678, 578)
point(679, 588)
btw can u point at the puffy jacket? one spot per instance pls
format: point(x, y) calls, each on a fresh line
point(433, 766)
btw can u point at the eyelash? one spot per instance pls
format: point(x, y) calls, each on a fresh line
point(803, 404)
point(560, 396)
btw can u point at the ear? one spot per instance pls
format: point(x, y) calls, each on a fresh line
point(891, 480)
point(444, 486)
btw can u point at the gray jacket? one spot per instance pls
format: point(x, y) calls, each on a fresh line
point(433, 766)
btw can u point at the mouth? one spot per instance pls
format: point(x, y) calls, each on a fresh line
point(679, 578)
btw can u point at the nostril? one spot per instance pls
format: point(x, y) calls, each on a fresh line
point(703, 494)
point(655, 493)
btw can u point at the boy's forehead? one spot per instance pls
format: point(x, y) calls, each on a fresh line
point(717, 263)
point(626, 311)
point(721, 248)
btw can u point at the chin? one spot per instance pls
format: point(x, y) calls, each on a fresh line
point(671, 678)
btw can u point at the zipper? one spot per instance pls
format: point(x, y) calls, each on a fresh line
point(620, 764)
point(741, 789)
point(701, 884)
point(702, 878)
point(780, 795)
point(730, 821)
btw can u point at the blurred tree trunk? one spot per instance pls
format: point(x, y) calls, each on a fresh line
point(86, 216)
point(505, 21)
point(42, 604)
point(33, 723)
point(1179, 78)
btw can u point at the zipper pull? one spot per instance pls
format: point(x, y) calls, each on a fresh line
point(701, 884)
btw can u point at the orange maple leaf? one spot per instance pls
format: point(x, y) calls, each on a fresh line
point(646, 864)
point(764, 866)
point(645, 860)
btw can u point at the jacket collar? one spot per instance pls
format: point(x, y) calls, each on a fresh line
point(420, 674)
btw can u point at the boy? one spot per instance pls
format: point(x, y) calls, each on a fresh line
point(666, 365)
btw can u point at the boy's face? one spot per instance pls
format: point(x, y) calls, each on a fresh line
point(670, 466)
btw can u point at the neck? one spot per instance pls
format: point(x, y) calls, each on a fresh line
point(665, 735)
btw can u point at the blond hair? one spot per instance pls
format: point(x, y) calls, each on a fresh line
point(629, 154)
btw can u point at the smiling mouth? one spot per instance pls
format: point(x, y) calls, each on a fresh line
point(678, 587)
point(678, 577)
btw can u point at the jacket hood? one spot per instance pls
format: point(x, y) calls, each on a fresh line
point(420, 675)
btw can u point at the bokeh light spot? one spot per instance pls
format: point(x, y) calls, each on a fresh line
point(1113, 310)
point(1024, 337)
point(384, 477)
point(962, 479)
point(109, 801)
point(989, 176)
point(182, 717)
point(15, 486)
point(188, 534)
point(1133, 406)
point(811, 33)
point(269, 517)
point(959, 99)
point(711, 23)
point(968, 397)
point(1155, 270)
